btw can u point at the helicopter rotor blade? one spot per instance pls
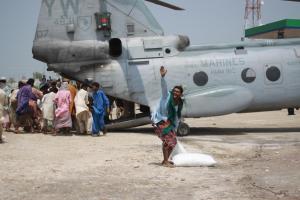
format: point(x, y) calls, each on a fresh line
point(292, 0)
point(164, 4)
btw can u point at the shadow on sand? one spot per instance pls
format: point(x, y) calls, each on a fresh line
point(194, 131)
point(217, 131)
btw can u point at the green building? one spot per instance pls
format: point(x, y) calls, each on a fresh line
point(287, 28)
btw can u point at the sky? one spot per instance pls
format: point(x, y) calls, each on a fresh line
point(204, 21)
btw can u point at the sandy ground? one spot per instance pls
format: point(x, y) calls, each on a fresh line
point(258, 157)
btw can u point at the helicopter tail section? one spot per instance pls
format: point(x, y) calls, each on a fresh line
point(75, 20)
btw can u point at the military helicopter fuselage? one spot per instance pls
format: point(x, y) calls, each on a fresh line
point(120, 45)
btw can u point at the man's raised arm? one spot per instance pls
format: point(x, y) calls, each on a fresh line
point(164, 87)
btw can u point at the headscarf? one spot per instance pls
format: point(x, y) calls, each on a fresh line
point(2, 82)
point(2, 85)
point(64, 86)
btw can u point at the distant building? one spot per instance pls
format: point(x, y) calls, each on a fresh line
point(287, 28)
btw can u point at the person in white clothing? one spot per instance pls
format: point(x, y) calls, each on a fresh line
point(3, 103)
point(83, 115)
point(6, 119)
point(48, 110)
point(13, 104)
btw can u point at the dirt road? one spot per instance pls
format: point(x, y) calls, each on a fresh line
point(258, 157)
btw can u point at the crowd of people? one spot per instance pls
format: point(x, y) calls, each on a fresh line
point(61, 106)
point(53, 107)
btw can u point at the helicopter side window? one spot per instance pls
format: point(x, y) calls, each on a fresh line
point(248, 75)
point(130, 29)
point(273, 73)
point(168, 51)
point(200, 78)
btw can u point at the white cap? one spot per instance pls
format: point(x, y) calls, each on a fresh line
point(3, 79)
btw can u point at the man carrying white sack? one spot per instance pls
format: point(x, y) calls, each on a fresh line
point(167, 117)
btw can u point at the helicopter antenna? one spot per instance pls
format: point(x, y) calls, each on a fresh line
point(253, 13)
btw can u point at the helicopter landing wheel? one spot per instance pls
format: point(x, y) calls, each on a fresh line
point(183, 129)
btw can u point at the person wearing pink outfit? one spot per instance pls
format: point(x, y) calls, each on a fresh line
point(62, 101)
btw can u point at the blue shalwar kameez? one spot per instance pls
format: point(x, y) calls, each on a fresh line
point(100, 104)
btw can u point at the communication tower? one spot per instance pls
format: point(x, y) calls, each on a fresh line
point(253, 13)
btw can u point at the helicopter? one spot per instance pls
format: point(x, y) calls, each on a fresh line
point(121, 45)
